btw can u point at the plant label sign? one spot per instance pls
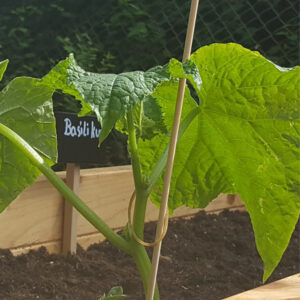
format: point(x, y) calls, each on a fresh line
point(77, 138)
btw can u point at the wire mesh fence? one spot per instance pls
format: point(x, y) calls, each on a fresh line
point(119, 35)
point(123, 35)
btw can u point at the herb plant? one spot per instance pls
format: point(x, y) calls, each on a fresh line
point(239, 134)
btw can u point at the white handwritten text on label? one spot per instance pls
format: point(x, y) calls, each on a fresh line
point(83, 129)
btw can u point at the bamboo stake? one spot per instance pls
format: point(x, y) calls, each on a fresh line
point(172, 149)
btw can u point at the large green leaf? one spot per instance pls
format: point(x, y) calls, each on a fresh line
point(26, 108)
point(245, 140)
point(109, 96)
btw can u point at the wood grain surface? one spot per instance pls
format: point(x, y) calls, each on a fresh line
point(284, 289)
point(36, 217)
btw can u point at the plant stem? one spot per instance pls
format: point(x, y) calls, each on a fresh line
point(85, 211)
point(135, 160)
point(68, 194)
point(139, 253)
point(140, 186)
point(143, 264)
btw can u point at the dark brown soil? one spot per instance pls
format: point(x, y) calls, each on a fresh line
point(206, 257)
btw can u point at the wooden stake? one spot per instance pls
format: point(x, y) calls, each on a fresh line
point(69, 239)
point(172, 149)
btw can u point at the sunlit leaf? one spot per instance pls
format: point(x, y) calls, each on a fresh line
point(245, 139)
point(26, 108)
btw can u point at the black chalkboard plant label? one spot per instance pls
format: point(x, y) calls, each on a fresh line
point(77, 138)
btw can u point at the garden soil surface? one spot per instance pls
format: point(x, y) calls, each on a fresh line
point(203, 257)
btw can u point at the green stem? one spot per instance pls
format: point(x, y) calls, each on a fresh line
point(67, 193)
point(135, 160)
point(139, 253)
point(143, 264)
point(140, 185)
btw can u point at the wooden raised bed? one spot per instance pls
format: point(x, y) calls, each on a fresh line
point(285, 289)
point(36, 217)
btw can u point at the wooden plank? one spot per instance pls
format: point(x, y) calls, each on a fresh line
point(88, 239)
point(36, 216)
point(69, 236)
point(96, 237)
point(112, 204)
point(284, 289)
point(107, 194)
point(52, 247)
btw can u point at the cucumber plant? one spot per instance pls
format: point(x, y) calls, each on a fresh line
point(239, 134)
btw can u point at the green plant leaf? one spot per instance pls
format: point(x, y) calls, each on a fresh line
point(57, 79)
point(26, 108)
point(3, 66)
point(245, 140)
point(187, 70)
point(109, 96)
point(116, 293)
point(147, 119)
point(150, 150)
